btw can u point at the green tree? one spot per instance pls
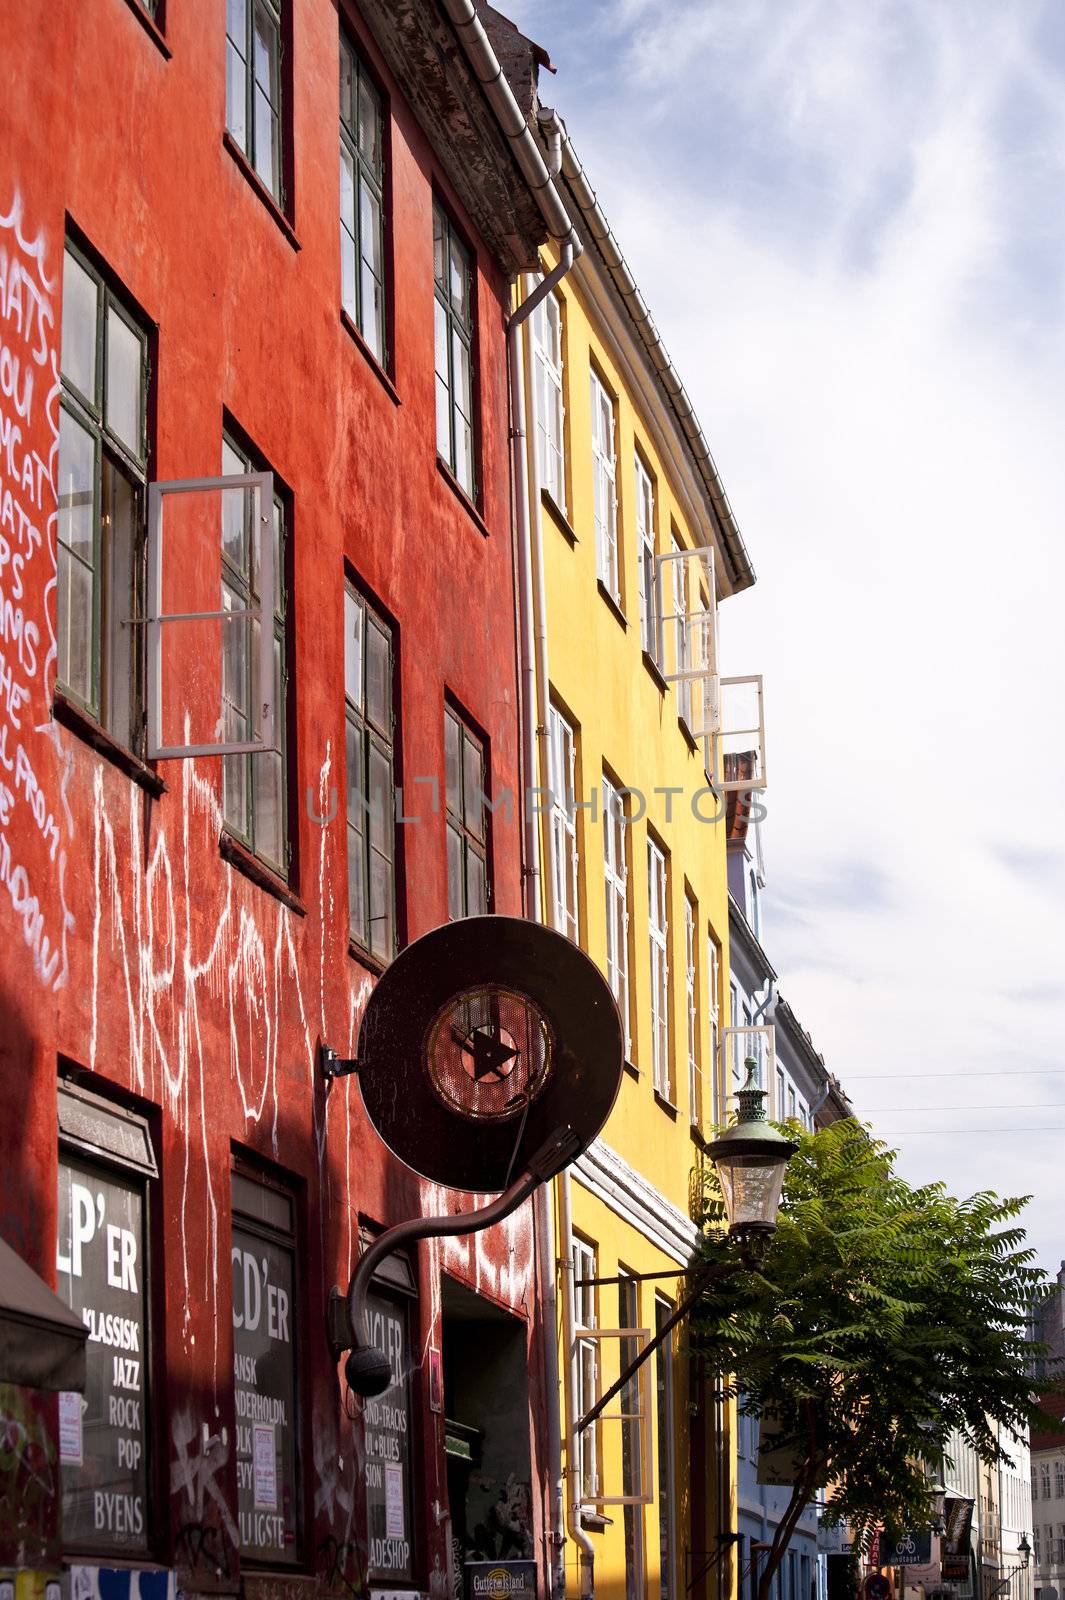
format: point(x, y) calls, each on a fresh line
point(882, 1318)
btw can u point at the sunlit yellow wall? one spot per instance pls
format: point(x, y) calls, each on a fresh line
point(627, 724)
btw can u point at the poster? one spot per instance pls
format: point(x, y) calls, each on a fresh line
point(387, 1424)
point(264, 1374)
point(104, 1441)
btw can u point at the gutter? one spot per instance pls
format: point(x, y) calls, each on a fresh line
point(598, 230)
point(533, 651)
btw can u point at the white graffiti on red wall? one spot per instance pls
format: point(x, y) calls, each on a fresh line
point(29, 444)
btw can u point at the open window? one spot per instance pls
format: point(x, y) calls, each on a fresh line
point(739, 743)
point(631, 1412)
point(213, 680)
point(685, 581)
point(737, 1044)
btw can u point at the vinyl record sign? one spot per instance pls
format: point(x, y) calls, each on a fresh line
point(481, 1041)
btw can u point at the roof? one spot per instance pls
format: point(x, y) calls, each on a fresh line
point(1050, 1438)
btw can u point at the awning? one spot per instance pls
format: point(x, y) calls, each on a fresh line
point(42, 1342)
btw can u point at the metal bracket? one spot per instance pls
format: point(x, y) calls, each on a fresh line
point(331, 1066)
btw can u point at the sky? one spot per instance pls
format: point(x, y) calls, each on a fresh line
point(848, 220)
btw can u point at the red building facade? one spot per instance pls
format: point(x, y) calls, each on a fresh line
point(212, 260)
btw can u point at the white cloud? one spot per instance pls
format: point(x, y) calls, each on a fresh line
point(840, 217)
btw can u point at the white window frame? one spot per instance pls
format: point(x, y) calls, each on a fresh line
point(682, 635)
point(616, 885)
point(550, 396)
point(738, 733)
point(693, 621)
point(691, 997)
point(650, 632)
point(562, 747)
point(604, 472)
point(261, 485)
point(713, 963)
point(658, 945)
point(586, 1370)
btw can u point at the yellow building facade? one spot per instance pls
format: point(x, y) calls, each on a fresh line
point(633, 546)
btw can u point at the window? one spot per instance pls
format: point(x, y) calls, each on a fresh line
point(681, 635)
point(1038, 1547)
point(265, 1315)
point(253, 86)
point(666, 1453)
point(604, 473)
point(735, 1020)
point(550, 408)
point(587, 1463)
point(713, 975)
point(658, 933)
point(691, 993)
point(369, 727)
point(362, 290)
point(615, 870)
point(389, 1426)
point(631, 1440)
point(1060, 1550)
point(1044, 1473)
point(563, 762)
point(453, 273)
point(645, 537)
point(103, 468)
point(254, 797)
point(467, 831)
point(106, 1164)
point(754, 905)
point(780, 1100)
point(1059, 1479)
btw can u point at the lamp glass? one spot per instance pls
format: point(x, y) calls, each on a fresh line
point(751, 1188)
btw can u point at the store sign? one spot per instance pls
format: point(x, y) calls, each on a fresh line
point(912, 1550)
point(387, 1421)
point(103, 1433)
point(500, 1580)
point(955, 1542)
point(264, 1374)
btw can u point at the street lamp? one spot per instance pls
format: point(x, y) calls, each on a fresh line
point(750, 1159)
point(1024, 1550)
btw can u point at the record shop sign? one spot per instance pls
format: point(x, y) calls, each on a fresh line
point(500, 1580)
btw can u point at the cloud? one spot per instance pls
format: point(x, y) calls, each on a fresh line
point(847, 222)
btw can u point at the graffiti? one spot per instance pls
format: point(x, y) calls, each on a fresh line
point(340, 1567)
point(207, 1532)
point(29, 451)
point(29, 1480)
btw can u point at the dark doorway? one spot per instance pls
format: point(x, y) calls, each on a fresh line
point(486, 1409)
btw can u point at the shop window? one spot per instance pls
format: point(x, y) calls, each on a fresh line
point(254, 786)
point(389, 1424)
point(362, 174)
point(106, 1167)
point(467, 824)
point(369, 724)
point(103, 467)
point(263, 1259)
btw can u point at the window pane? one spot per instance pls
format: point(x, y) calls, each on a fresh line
point(373, 321)
point(77, 472)
point(381, 902)
point(236, 96)
point(460, 375)
point(347, 86)
point(235, 792)
point(120, 530)
point(382, 801)
point(452, 763)
point(459, 283)
point(265, 48)
point(443, 420)
point(74, 624)
point(125, 372)
point(348, 275)
point(476, 885)
point(378, 677)
point(356, 802)
point(353, 625)
point(439, 247)
point(473, 785)
point(269, 807)
point(81, 299)
point(357, 885)
point(369, 123)
point(440, 336)
point(463, 463)
point(266, 142)
point(455, 883)
point(370, 223)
